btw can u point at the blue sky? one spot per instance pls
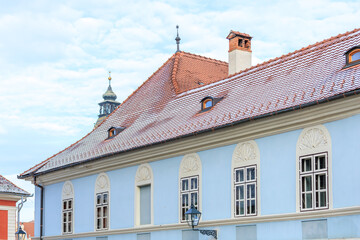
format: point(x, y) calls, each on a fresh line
point(54, 57)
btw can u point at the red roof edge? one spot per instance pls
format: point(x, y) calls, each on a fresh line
point(38, 166)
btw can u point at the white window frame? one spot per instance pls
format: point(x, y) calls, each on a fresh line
point(67, 196)
point(189, 193)
point(190, 166)
point(102, 186)
point(66, 212)
point(102, 205)
point(245, 183)
point(313, 173)
point(246, 155)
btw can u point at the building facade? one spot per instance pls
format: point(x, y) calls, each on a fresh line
point(10, 194)
point(265, 153)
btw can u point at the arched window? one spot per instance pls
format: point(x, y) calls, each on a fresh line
point(352, 56)
point(313, 166)
point(102, 202)
point(144, 195)
point(190, 184)
point(245, 178)
point(67, 208)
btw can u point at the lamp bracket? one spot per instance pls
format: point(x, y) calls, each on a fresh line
point(212, 233)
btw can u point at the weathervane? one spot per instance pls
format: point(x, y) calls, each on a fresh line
point(177, 38)
point(109, 77)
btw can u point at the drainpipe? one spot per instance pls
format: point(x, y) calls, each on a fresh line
point(41, 207)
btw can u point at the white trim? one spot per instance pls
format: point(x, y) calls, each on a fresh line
point(67, 194)
point(102, 184)
point(190, 166)
point(314, 140)
point(223, 222)
point(144, 176)
point(245, 154)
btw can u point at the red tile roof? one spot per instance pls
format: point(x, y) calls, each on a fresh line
point(166, 105)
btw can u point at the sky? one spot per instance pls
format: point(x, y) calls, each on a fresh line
point(55, 57)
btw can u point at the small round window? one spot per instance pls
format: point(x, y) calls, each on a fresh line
point(208, 103)
point(355, 56)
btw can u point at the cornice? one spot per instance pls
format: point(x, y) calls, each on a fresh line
point(275, 124)
point(215, 223)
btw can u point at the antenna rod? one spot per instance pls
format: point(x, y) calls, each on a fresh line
point(177, 38)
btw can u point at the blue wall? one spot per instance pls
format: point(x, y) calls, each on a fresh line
point(277, 187)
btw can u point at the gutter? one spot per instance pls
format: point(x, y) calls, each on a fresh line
point(289, 109)
point(41, 206)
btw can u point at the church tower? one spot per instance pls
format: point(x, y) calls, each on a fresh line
point(108, 105)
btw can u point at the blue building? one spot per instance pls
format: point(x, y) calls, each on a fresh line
point(263, 152)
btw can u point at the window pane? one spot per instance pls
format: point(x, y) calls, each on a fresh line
point(242, 207)
point(250, 173)
point(98, 199)
point(104, 222)
point(306, 164)
point(64, 227)
point(185, 184)
point(99, 212)
point(64, 217)
point(105, 198)
point(320, 162)
point(194, 199)
point(105, 211)
point(320, 181)
point(322, 199)
point(208, 104)
point(355, 56)
point(239, 175)
point(69, 216)
point(237, 208)
point(185, 200)
point(239, 192)
point(306, 183)
point(251, 191)
point(64, 205)
point(308, 200)
point(98, 223)
point(194, 183)
point(69, 227)
point(70, 204)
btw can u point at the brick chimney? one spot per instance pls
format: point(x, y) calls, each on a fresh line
point(239, 51)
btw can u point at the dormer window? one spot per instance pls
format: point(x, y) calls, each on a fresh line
point(208, 102)
point(352, 56)
point(113, 131)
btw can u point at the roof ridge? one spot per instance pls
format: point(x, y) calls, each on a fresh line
point(174, 72)
point(46, 160)
point(14, 184)
point(294, 52)
point(205, 58)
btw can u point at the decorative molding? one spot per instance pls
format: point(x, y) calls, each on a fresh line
point(216, 223)
point(144, 175)
point(246, 151)
point(313, 138)
point(190, 165)
point(276, 124)
point(67, 190)
point(102, 183)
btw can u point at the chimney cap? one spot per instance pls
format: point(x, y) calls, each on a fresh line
point(233, 34)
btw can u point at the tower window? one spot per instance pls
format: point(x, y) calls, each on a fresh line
point(240, 42)
point(352, 57)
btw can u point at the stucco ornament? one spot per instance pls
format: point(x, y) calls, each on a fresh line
point(244, 152)
point(190, 164)
point(143, 174)
point(68, 190)
point(102, 183)
point(312, 139)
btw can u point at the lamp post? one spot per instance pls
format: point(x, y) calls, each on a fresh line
point(192, 217)
point(21, 234)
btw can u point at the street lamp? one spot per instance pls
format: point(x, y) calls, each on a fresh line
point(21, 234)
point(192, 217)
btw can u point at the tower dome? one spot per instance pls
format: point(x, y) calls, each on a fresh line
point(108, 105)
